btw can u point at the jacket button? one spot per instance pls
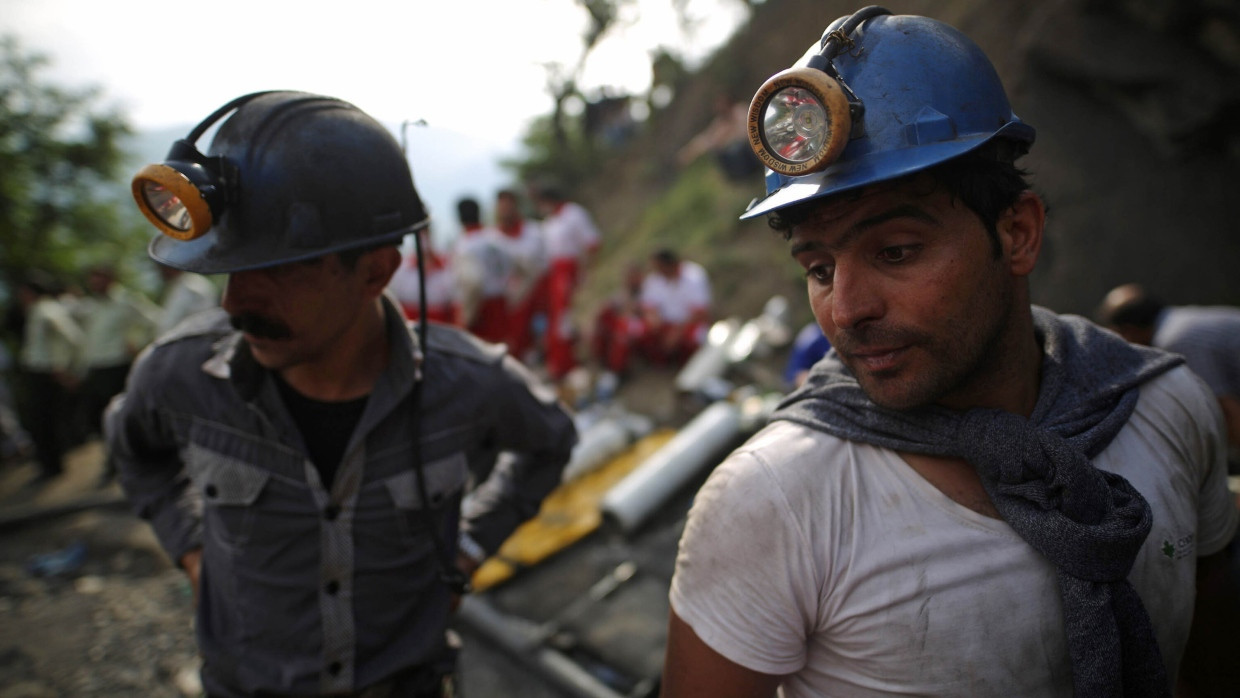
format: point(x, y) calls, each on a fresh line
point(331, 512)
point(333, 587)
point(334, 668)
point(211, 491)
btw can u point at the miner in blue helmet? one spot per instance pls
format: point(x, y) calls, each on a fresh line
point(303, 453)
point(969, 495)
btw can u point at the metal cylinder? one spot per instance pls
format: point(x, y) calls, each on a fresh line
point(632, 500)
point(710, 360)
point(598, 443)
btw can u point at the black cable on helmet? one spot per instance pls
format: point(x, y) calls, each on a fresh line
point(836, 41)
point(449, 573)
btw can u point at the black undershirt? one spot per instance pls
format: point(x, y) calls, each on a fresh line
point(325, 427)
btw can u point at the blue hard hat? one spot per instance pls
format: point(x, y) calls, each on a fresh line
point(926, 94)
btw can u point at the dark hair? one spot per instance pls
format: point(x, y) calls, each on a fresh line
point(506, 194)
point(468, 211)
point(548, 190)
point(1139, 310)
point(986, 180)
point(665, 255)
point(41, 283)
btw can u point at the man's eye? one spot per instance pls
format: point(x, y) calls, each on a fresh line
point(820, 273)
point(900, 253)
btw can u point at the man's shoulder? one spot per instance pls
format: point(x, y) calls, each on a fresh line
point(1177, 402)
point(788, 451)
point(459, 344)
point(693, 270)
point(206, 326)
point(1180, 384)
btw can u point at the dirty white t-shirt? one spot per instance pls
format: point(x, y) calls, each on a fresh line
point(835, 564)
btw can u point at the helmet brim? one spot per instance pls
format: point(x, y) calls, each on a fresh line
point(205, 256)
point(849, 174)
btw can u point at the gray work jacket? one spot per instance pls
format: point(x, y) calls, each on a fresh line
point(307, 590)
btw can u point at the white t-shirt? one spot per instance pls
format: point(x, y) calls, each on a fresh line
point(440, 285)
point(482, 262)
point(570, 232)
point(528, 250)
point(834, 563)
point(675, 299)
point(188, 293)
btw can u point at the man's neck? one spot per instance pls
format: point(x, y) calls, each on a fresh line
point(1014, 378)
point(351, 367)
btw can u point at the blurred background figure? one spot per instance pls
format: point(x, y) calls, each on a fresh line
point(618, 324)
point(726, 136)
point(49, 347)
point(116, 324)
point(527, 284)
point(185, 293)
point(482, 264)
point(675, 302)
point(442, 300)
point(1207, 336)
point(808, 347)
point(572, 241)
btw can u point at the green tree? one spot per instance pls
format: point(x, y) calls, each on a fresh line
point(60, 158)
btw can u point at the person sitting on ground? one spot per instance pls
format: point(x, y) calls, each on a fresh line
point(675, 301)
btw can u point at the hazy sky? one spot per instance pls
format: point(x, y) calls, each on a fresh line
point(473, 66)
point(473, 70)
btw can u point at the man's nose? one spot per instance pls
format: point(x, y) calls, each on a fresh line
point(245, 291)
point(856, 296)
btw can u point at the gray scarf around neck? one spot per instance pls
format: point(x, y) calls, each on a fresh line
point(1089, 523)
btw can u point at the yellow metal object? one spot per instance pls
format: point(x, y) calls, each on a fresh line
point(568, 514)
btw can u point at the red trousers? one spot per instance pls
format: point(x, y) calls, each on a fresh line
point(521, 319)
point(491, 320)
point(561, 337)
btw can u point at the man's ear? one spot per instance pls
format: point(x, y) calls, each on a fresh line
point(379, 266)
point(1020, 231)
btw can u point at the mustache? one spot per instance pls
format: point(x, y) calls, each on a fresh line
point(258, 326)
point(847, 341)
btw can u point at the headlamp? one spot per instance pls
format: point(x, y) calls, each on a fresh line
point(799, 121)
point(185, 195)
point(801, 118)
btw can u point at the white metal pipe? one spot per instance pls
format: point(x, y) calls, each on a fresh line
point(710, 360)
point(598, 443)
point(642, 492)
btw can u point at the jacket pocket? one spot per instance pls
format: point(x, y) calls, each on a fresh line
point(229, 489)
point(445, 480)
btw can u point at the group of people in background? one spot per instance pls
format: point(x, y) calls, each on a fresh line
point(513, 280)
point(73, 353)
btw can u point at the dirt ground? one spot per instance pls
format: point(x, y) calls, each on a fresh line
point(116, 620)
point(91, 606)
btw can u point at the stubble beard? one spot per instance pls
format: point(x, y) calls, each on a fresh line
point(960, 360)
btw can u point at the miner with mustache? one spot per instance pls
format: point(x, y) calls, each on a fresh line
point(304, 454)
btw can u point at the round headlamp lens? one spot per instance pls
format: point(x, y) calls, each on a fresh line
point(799, 122)
point(167, 206)
point(177, 205)
point(796, 125)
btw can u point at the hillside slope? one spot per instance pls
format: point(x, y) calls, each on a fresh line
point(1134, 103)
